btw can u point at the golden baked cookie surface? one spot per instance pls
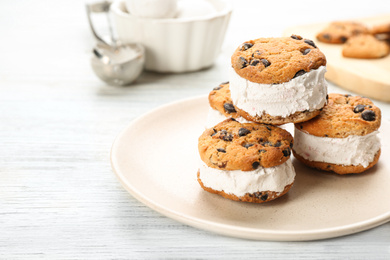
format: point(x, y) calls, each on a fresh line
point(381, 28)
point(365, 46)
point(219, 99)
point(344, 115)
point(276, 60)
point(341, 31)
point(231, 145)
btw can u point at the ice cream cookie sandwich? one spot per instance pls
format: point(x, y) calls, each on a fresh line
point(246, 161)
point(342, 138)
point(278, 80)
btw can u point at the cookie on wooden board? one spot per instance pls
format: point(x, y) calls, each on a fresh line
point(341, 31)
point(365, 46)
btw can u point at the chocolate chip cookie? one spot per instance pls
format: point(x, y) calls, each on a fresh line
point(341, 31)
point(365, 46)
point(380, 28)
point(344, 115)
point(276, 60)
point(231, 146)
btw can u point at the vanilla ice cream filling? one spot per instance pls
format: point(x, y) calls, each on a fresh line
point(214, 117)
point(304, 93)
point(241, 182)
point(352, 150)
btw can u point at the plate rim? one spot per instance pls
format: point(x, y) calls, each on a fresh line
point(228, 229)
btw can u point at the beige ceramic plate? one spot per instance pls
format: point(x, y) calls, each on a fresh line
point(156, 159)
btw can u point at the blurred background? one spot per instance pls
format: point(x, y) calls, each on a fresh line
point(58, 196)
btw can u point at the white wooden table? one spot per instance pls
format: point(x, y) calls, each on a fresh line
point(58, 196)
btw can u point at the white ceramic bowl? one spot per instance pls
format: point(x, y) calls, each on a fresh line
point(175, 45)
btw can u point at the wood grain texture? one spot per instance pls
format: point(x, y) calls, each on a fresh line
point(58, 196)
point(367, 77)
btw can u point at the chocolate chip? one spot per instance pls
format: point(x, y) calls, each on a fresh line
point(369, 106)
point(222, 164)
point(243, 131)
point(265, 62)
point(343, 39)
point(242, 62)
point(233, 119)
point(286, 152)
point(269, 128)
point(248, 145)
point(299, 73)
point(255, 165)
point(217, 88)
point(254, 62)
point(291, 145)
point(221, 150)
point(215, 131)
point(326, 135)
point(224, 135)
point(310, 42)
point(356, 31)
point(359, 108)
point(262, 151)
point(267, 143)
point(368, 115)
point(227, 138)
point(327, 97)
point(306, 51)
point(296, 37)
point(301, 126)
point(257, 53)
point(257, 194)
point(278, 144)
point(264, 197)
point(246, 46)
point(229, 108)
point(326, 36)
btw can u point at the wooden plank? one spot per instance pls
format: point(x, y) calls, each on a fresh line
point(367, 77)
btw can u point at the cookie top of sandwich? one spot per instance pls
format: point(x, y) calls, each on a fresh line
point(344, 115)
point(276, 60)
point(231, 145)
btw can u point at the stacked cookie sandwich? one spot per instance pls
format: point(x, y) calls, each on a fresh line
point(273, 81)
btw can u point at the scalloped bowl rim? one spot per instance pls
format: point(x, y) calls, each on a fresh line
point(117, 6)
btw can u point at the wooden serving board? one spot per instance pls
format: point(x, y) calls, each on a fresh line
point(367, 77)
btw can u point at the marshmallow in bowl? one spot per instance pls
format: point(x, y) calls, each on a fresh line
point(194, 8)
point(157, 9)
